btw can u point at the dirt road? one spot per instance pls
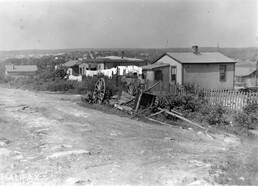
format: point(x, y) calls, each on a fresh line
point(47, 139)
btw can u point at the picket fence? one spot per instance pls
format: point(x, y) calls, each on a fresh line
point(232, 99)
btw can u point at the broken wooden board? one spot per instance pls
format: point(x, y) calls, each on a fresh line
point(125, 97)
point(176, 112)
point(123, 107)
point(157, 113)
point(154, 120)
point(137, 104)
point(153, 86)
point(129, 101)
point(180, 117)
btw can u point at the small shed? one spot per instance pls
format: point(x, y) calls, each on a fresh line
point(156, 72)
point(73, 67)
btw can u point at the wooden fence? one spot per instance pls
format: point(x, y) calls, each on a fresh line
point(232, 99)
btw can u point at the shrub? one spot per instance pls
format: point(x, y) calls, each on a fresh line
point(190, 88)
point(51, 74)
point(83, 87)
point(8, 79)
point(63, 86)
point(248, 118)
point(213, 114)
point(198, 109)
point(186, 103)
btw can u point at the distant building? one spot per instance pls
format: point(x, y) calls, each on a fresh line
point(245, 76)
point(73, 67)
point(209, 70)
point(78, 67)
point(20, 70)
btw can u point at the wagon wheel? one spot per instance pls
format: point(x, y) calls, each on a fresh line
point(99, 91)
point(131, 89)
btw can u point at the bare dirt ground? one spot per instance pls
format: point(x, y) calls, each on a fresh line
point(47, 139)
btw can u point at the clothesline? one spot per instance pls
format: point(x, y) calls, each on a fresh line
point(120, 70)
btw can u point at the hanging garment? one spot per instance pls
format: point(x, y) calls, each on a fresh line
point(91, 72)
point(75, 78)
point(122, 70)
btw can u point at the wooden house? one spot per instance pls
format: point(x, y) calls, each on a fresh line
point(246, 77)
point(20, 70)
point(209, 70)
point(72, 66)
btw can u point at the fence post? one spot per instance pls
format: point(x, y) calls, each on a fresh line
point(147, 84)
point(160, 88)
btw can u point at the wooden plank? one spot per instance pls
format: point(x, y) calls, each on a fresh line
point(128, 101)
point(152, 86)
point(227, 97)
point(243, 100)
point(235, 101)
point(176, 112)
point(181, 117)
point(138, 101)
point(157, 113)
point(154, 120)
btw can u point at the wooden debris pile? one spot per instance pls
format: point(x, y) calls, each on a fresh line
point(144, 103)
point(147, 105)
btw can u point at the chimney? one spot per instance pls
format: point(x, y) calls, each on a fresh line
point(123, 53)
point(13, 66)
point(195, 49)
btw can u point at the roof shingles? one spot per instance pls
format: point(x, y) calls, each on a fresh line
point(203, 57)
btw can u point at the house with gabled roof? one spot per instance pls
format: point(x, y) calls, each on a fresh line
point(246, 76)
point(20, 70)
point(209, 70)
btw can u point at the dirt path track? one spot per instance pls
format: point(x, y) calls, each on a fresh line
point(56, 142)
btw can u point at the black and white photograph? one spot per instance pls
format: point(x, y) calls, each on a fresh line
point(128, 92)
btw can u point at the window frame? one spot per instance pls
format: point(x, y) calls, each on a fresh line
point(175, 74)
point(221, 77)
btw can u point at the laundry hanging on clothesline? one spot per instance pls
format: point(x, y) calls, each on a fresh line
point(121, 70)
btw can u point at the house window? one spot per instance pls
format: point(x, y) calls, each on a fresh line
point(173, 74)
point(222, 72)
point(158, 75)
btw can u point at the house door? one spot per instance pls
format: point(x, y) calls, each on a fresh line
point(173, 75)
point(158, 75)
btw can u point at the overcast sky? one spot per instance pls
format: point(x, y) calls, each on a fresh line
point(53, 24)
